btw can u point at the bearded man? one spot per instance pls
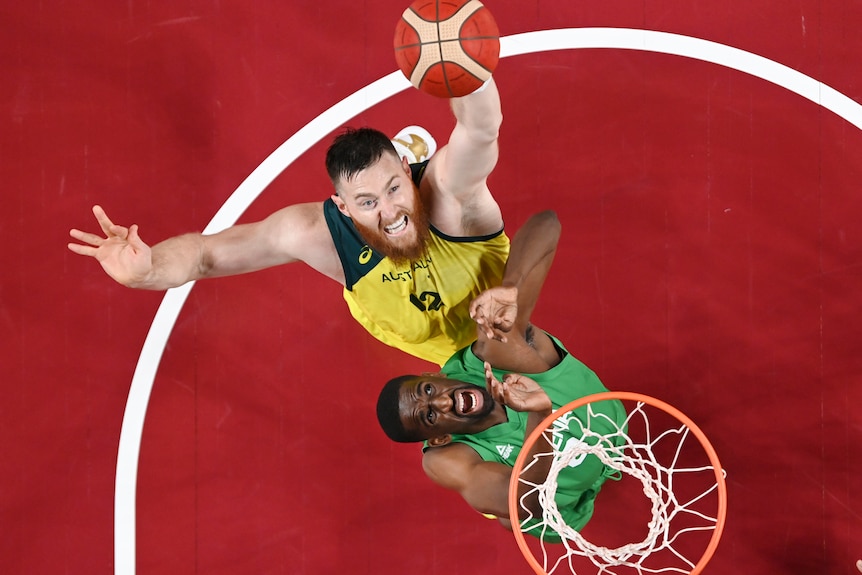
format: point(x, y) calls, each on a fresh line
point(412, 243)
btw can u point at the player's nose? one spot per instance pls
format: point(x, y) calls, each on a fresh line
point(388, 211)
point(441, 402)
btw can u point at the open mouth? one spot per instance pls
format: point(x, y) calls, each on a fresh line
point(467, 401)
point(398, 227)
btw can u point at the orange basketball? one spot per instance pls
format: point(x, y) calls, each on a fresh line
point(447, 48)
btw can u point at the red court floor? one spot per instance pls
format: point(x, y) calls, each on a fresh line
point(711, 256)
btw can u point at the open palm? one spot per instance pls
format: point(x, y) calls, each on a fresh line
point(121, 252)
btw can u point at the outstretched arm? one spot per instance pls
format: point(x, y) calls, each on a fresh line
point(462, 204)
point(507, 309)
point(294, 233)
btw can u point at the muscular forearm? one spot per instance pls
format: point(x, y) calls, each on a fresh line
point(480, 113)
point(175, 261)
point(533, 249)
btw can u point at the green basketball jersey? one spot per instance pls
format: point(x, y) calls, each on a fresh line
point(579, 483)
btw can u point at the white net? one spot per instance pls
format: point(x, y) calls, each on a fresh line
point(675, 466)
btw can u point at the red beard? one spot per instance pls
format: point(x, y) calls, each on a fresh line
point(398, 252)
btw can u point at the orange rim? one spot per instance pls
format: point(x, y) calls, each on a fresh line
point(622, 396)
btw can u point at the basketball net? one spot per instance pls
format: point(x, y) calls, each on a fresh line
point(655, 446)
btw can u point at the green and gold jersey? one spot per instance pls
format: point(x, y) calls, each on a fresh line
point(421, 307)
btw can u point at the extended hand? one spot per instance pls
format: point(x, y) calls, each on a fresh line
point(122, 253)
point(517, 391)
point(495, 310)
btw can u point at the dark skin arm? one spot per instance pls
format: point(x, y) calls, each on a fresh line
point(507, 341)
point(502, 314)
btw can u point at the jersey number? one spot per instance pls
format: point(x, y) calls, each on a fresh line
point(433, 305)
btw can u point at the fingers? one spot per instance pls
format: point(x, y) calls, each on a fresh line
point(82, 250)
point(133, 236)
point(490, 380)
point(494, 386)
point(87, 237)
point(109, 228)
point(490, 333)
point(479, 316)
point(118, 231)
point(104, 221)
point(474, 310)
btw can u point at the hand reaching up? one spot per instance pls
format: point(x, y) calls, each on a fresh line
point(495, 310)
point(518, 392)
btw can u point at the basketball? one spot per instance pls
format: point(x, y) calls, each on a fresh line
point(447, 48)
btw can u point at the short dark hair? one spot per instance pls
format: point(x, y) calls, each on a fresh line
point(388, 414)
point(354, 150)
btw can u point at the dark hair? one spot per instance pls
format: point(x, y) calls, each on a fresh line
point(388, 414)
point(354, 150)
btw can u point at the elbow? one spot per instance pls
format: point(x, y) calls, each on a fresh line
point(549, 218)
point(550, 223)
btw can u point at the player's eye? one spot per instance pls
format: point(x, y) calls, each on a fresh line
point(431, 417)
point(427, 389)
point(367, 203)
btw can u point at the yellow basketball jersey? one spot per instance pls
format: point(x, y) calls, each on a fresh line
point(422, 307)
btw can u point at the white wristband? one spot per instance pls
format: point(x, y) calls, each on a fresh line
point(483, 86)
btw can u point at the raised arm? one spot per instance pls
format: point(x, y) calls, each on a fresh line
point(502, 314)
point(294, 233)
point(461, 203)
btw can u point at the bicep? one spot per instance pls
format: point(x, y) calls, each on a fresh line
point(468, 159)
point(294, 233)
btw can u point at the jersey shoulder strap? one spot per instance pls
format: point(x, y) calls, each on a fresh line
point(357, 258)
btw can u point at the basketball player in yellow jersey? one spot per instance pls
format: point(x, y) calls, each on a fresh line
point(412, 246)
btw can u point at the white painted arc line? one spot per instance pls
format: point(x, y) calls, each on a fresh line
point(687, 46)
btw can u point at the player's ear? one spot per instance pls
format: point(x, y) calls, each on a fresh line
point(339, 203)
point(405, 165)
point(440, 441)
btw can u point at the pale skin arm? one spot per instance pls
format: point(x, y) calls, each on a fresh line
point(294, 233)
point(484, 485)
point(461, 203)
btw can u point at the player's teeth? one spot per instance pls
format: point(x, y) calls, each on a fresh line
point(397, 226)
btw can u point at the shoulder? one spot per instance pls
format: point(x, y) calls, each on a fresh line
point(301, 230)
point(308, 213)
point(294, 226)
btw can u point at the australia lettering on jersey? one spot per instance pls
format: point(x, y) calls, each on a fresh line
point(425, 301)
point(407, 275)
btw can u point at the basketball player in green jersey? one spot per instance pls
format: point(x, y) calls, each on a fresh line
point(474, 418)
point(412, 245)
